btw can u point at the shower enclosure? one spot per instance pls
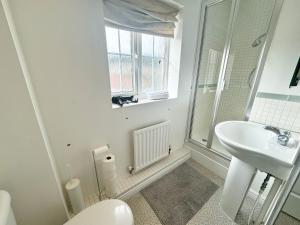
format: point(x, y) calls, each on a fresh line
point(233, 40)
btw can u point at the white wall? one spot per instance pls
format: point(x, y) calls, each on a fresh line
point(284, 52)
point(25, 169)
point(64, 44)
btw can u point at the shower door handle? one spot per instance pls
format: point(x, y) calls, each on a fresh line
point(223, 84)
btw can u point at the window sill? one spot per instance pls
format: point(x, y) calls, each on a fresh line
point(141, 102)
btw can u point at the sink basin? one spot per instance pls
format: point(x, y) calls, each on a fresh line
point(251, 143)
point(252, 147)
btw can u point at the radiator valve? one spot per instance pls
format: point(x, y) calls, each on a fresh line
point(131, 169)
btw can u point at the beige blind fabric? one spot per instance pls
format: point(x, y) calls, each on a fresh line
point(146, 16)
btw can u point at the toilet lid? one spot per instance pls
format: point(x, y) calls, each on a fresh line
point(107, 212)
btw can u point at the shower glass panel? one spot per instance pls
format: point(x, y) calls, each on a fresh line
point(216, 22)
point(232, 39)
point(251, 26)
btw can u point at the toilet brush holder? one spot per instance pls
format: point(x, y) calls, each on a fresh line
point(75, 195)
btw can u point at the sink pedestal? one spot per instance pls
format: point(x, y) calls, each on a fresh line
point(237, 183)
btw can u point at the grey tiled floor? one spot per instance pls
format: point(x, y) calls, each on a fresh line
point(285, 219)
point(142, 212)
point(210, 214)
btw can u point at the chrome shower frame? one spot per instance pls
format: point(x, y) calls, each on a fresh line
point(221, 81)
point(263, 57)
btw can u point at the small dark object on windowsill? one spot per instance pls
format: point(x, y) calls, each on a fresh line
point(122, 99)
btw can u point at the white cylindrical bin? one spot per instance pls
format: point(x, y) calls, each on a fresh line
point(75, 195)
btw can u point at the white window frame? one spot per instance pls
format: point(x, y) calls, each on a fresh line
point(136, 51)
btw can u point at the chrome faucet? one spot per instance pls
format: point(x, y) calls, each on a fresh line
point(273, 129)
point(282, 137)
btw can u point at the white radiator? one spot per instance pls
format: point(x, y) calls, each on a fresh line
point(150, 145)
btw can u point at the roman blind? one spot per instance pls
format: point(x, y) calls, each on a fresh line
point(154, 17)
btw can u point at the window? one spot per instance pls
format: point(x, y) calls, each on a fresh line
point(138, 63)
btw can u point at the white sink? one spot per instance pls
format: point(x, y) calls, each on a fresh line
point(252, 147)
point(253, 144)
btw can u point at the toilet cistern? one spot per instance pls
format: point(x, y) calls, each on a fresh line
point(6, 214)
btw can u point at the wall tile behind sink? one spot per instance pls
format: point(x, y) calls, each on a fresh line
point(277, 110)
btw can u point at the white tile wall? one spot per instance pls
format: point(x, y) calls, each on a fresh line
point(278, 113)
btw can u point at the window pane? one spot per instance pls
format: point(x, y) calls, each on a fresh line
point(160, 46)
point(146, 74)
point(112, 41)
point(158, 74)
point(127, 73)
point(114, 72)
point(153, 65)
point(147, 45)
point(121, 61)
point(125, 41)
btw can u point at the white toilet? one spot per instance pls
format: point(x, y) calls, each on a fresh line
point(107, 212)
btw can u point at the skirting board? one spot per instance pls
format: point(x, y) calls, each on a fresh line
point(140, 186)
point(217, 168)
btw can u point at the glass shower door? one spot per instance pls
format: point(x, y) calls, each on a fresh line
point(214, 32)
